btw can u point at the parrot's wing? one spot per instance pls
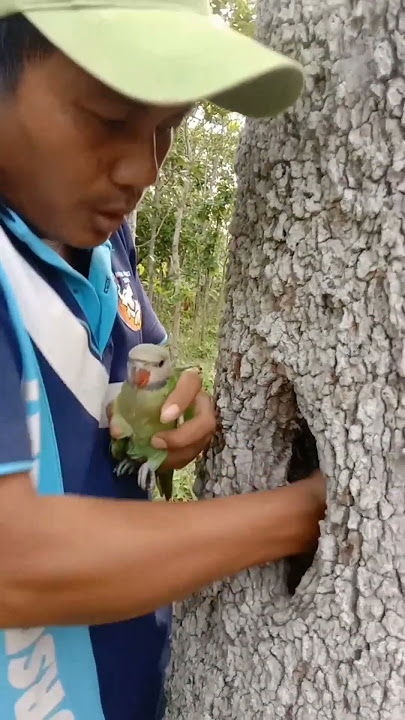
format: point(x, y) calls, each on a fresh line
point(138, 451)
point(172, 381)
point(122, 431)
point(119, 448)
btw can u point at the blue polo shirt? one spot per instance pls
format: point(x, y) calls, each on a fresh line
point(64, 342)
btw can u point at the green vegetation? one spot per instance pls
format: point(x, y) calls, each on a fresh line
point(182, 237)
point(182, 230)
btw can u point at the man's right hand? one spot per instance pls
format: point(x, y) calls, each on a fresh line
point(77, 560)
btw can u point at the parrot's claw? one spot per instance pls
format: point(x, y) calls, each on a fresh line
point(126, 467)
point(147, 478)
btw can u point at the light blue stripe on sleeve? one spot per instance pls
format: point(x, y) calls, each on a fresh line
point(12, 468)
point(45, 671)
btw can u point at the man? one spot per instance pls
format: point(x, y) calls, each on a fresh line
point(90, 96)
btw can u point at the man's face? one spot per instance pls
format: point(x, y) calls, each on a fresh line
point(75, 157)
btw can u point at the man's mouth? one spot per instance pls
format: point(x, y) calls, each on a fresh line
point(109, 216)
point(108, 222)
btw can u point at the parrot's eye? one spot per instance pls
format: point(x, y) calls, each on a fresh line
point(162, 362)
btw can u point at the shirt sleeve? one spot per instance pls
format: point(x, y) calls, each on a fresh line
point(15, 445)
point(152, 329)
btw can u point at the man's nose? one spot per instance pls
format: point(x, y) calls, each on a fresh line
point(136, 166)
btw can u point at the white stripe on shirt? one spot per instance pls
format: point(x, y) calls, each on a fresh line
point(56, 332)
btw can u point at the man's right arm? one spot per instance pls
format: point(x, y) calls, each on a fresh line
point(76, 560)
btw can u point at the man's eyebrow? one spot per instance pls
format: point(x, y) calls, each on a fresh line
point(98, 92)
point(115, 102)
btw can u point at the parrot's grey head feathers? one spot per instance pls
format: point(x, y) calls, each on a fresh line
point(149, 366)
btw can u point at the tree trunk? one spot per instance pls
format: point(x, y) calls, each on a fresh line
point(202, 316)
point(151, 262)
point(203, 286)
point(314, 326)
point(154, 231)
point(131, 219)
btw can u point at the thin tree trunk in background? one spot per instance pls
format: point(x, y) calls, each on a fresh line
point(201, 297)
point(152, 243)
point(175, 272)
point(202, 323)
point(197, 298)
point(221, 302)
point(175, 268)
point(314, 326)
point(151, 263)
point(158, 304)
point(131, 219)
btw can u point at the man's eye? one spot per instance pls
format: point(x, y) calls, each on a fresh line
point(113, 123)
point(109, 121)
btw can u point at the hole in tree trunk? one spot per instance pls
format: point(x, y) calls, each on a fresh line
point(304, 460)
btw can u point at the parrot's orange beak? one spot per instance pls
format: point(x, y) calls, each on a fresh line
point(142, 378)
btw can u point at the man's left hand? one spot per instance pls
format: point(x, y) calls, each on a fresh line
point(191, 438)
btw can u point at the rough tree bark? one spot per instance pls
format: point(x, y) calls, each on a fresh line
point(314, 326)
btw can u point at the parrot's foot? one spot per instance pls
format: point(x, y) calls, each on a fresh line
point(147, 478)
point(126, 467)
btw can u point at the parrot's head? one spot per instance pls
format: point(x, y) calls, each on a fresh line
point(149, 366)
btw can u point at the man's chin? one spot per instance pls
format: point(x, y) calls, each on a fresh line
point(97, 241)
point(87, 240)
point(90, 232)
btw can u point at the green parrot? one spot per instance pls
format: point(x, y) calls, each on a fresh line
point(135, 419)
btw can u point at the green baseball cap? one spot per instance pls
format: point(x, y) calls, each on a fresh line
point(166, 52)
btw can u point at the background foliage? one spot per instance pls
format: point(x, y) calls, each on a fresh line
point(182, 228)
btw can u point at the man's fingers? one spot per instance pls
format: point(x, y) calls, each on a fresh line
point(193, 431)
point(187, 388)
point(109, 411)
point(115, 431)
point(181, 457)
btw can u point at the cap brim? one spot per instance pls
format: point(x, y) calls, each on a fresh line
point(173, 58)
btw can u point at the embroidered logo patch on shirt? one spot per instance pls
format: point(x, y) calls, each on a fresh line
point(128, 305)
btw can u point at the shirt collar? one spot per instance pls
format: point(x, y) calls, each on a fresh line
point(34, 239)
